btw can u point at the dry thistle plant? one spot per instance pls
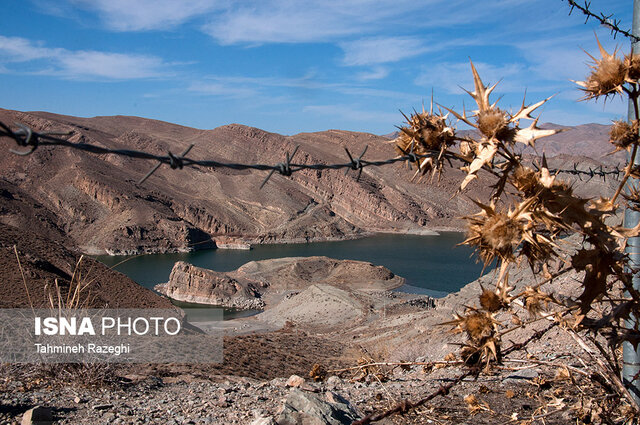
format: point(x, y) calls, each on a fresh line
point(529, 214)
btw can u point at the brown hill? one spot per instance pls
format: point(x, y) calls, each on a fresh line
point(96, 202)
point(31, 282)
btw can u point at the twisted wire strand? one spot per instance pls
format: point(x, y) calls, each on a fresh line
point(605, 20)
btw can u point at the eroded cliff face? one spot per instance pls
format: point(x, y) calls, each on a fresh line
point(197, 285)
point(98, 204)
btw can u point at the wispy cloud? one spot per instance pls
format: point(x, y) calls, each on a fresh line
point(285, 21)
point(222, 90)
point(238, 86)
point(376, 73)
point(80, 64)
point(17, 49)
point(138, 15)
point(376, 50)
point(306, 81)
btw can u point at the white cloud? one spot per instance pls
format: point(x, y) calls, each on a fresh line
point(371, 92)
point(17, 49)
point(306, 81)
point(287, 21)
point(109, 65)
point(137, 15)
point(80, 63)
point(375, 50)
point(230, 86)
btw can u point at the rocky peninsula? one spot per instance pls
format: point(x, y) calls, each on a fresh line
point(264, 284)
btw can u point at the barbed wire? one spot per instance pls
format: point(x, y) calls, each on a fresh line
point(605, 20)
point(591, 172)
point(25, 136)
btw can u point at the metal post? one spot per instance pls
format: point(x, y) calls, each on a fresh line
point(631, 356)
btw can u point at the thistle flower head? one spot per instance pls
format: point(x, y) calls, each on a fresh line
point(535, 300)
point(490, 301)
point(632, 64)
point(497, 233)
point(526, 180)
point(425, 132)
point(478, 325)
point(607, 76)
point(494, 123)
point(622, 134)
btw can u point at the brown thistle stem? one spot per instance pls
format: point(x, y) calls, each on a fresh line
point(633, 96)
point(536, 335)
point(407, 405)
point(547, 363)
point(530, 322)
point(609, 376)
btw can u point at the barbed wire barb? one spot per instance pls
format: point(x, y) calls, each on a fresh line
point(284, 168)
point(605, 20)
point(176, 162)
point(356, 164)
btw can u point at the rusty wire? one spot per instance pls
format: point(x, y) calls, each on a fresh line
point(605, 20)
point(28, 138)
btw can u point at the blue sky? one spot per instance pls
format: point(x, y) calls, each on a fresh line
point(292, 66)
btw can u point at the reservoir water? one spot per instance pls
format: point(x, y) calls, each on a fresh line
point(432, 265)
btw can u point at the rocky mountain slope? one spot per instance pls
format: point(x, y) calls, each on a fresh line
point(251, 385)
point(96, 201)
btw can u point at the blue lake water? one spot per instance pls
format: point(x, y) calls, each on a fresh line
point(433, 265)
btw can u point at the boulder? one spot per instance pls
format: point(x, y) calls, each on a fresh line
point(37, 416)
point(302, 408)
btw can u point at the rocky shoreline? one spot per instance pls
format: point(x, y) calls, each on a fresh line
point(246, 243)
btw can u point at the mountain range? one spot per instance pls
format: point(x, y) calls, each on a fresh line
point(94, 203)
